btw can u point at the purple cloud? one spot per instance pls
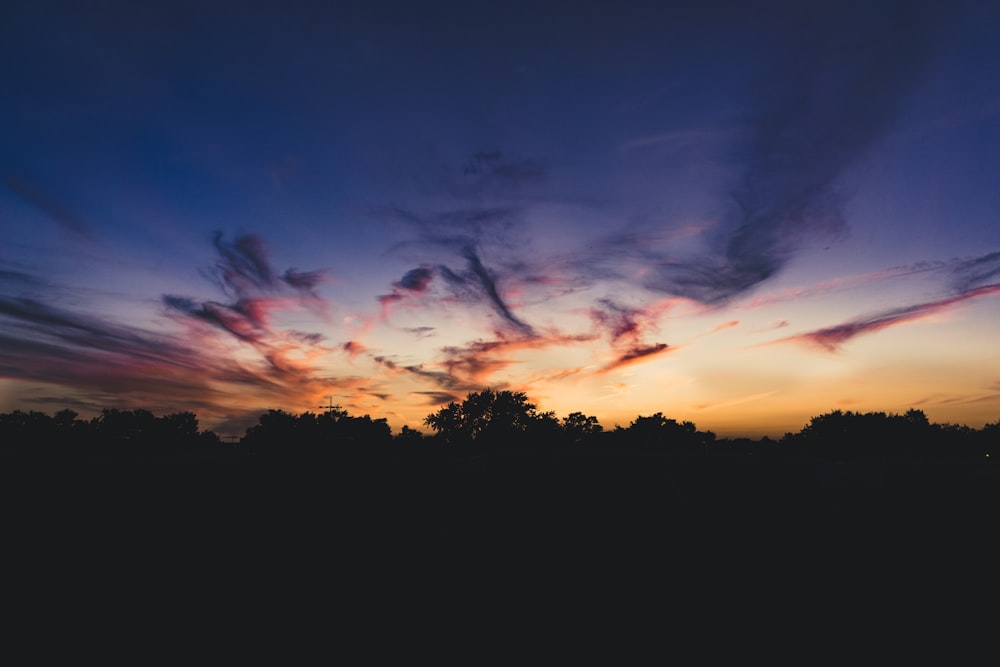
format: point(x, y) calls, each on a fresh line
point(831, 338)
point(635, 354)
point(488, 285)
point(416, 280)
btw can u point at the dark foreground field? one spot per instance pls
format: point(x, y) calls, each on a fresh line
point(581, 494)
point(504, 547)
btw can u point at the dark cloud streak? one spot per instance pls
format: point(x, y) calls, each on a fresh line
point(416, 280)
point(838, 95)
point(635, 354)
point(831, 338)
point(489, 286)
point(54, 210)
point(437, 397)
point(43, 321)
point(488, 190)
point(227, 318)
point(244, 273)
point(972, 273)
point(243, 268)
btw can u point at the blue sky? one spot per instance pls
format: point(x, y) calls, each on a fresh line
point(742, 214)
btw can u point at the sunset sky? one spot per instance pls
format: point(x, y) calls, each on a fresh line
point(741, 214)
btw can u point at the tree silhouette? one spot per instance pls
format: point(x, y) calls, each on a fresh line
point(333, 433)
point(871, 436)
point(664, 435)
point(117, 433)
point(497, 422)
point(448, 423)
point(579, 427)
point(489, 417)
point(409, 436)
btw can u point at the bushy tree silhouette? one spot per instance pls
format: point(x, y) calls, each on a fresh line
point(491, 418)
point(880, 436)
point(491, 421)
point(579, 428)
point(663, 435)
point(333, 433)
point(409, 436)
point(116, 433)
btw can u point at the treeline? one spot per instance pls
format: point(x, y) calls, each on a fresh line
point(113, 433)
point(487, 422)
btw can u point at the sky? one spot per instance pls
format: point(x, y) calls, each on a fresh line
point(741, 214)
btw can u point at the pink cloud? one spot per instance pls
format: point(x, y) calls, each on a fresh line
point(636, 355)
point(353, 348)
point(725, 325)
point(831, 338)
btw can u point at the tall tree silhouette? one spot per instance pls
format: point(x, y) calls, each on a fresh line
point(490, 417)
point(579, 428)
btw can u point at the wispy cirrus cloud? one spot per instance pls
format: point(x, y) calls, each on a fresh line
point(484, 216)
point(46, 323)
point(243, 268)
point(128, 366)
point(730, 402)
point(969, 274)
point(14, 280)
point(421, 332)
point(58, 212)
point(987, 394)
point(353, 348)
point(474, 283)
point(493, 173)
point(411, 289)
point(968, 278)
point(414, 282)
point(635, 355)
point(477, 361)
point(244, 274)
point(849, 282)
point(721, 327)
point(195, 367)
point(627, 327)
point(443, 380)
point(831, 338)
point(438, 397)
point(289, 359)
point(487, 283)
point(833, 96)
point(459, 369)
